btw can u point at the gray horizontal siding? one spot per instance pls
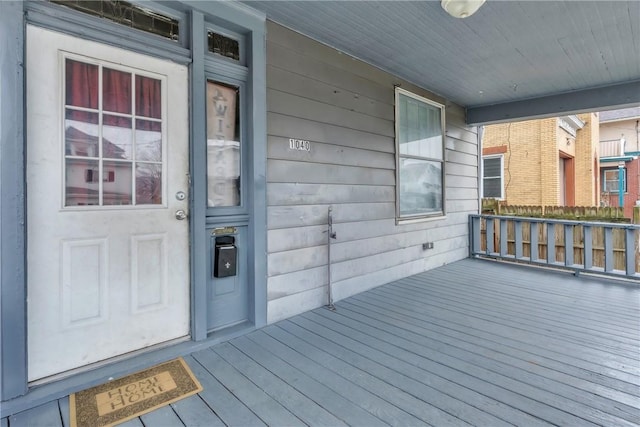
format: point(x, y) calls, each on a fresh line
point(344, 108)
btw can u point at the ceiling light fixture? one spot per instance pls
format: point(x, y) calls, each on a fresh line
point(461, 8)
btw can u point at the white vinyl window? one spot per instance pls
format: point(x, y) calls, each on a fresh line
point(493, 177)
point(420, 156)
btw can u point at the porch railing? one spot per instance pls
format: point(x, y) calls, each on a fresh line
point(594, 247)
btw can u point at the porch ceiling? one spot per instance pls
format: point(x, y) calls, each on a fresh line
point(507, 53)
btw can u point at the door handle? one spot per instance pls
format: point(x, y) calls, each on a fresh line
point(181, 215)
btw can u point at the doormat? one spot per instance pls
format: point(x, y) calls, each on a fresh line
point(131, 396)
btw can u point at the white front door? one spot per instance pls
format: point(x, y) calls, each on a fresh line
point(107, 170)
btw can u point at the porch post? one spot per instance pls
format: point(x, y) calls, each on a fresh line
point(620, 185)
point(13, 308)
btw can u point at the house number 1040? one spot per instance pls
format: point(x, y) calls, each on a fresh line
point(299, 144)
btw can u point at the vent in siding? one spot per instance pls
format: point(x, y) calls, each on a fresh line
point(127, 14)
point(222, 45)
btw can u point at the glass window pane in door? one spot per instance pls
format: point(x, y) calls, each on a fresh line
point(116, 137)
point(116, 91)
point(81, 133)
point(81, 84)
point(148, 97)
point(148, 141)
point(223, 145)
point(148, 184)
point(116, 183)
point(82, 182)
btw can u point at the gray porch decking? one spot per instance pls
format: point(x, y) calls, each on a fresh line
point(472, 343)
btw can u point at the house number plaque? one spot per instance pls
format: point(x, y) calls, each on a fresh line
point(299, 144)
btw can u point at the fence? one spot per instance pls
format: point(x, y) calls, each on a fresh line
point(596, 247)
point(579, 213)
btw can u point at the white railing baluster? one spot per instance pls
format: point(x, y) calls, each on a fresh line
point(517, 225)
point(630, 251)
point(503, 237)
point(608, 249)
point(489, 234)
point(534, 249)
point(568, 245)
point(551, 243)
point(588, 247)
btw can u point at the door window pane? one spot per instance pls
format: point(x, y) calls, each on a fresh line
point(81, 84)
point(148, 97)
point(81, 133)
point(116, 137)
point(223, 145)
point(116, 182)
point(82, 182)
point(148, 141)
point(148, 184)
point(116, 91)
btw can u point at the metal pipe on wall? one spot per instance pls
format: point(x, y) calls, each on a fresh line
point(330, 235)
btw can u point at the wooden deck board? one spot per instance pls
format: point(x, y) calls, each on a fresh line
point(164, 416)
point(194, 412)
point(344, 409)
point(502, 372)
point(344, 388)
point(304, 408)
point(266, 408)
point(503, 353)
point(47, 415)
point(471, 343)
point(227, 407)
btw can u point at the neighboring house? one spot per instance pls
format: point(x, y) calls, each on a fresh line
point(549, 162)
point(111, 234)
point(620, 153)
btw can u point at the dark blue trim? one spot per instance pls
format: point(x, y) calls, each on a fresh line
point(258, 173)
point(72, 22)
point(199, 238)
point(620, 96)
point(13, 309)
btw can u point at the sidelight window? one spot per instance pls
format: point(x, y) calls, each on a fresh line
point(223, 145)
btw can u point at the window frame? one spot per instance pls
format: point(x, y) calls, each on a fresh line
point(604, 181)
point(99, 157)
point(489, 157)
point(406, 218)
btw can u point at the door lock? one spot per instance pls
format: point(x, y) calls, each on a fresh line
point(181, 215)
point(180, 195)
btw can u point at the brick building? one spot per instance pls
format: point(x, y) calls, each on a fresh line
point(550, 162)
point(620, 151)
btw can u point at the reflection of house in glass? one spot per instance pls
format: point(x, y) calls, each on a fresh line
point(82, 174)
point(420, 186)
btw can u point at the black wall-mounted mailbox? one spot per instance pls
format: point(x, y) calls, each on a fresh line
point(225, 258)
